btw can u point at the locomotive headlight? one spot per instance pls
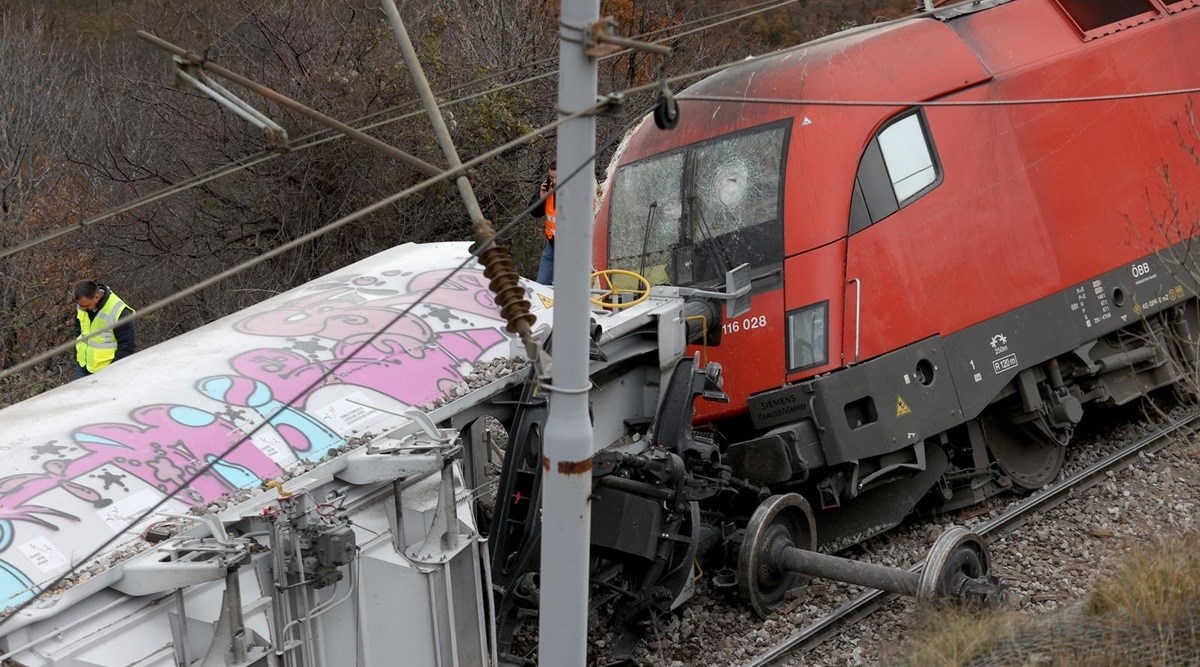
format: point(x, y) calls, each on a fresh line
point(807, 336)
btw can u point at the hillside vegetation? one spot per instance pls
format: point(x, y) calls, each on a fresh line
point(90, 120)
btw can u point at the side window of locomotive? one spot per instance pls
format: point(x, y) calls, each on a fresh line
point(1106, 16)
point(899, 166)
point(807, 331)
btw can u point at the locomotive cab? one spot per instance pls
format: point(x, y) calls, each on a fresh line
point(687, 216)
point(783, 188)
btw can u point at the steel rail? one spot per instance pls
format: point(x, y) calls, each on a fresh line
point(1008, 521)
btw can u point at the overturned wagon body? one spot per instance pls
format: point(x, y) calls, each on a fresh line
point(937, 288)
point(159, 475)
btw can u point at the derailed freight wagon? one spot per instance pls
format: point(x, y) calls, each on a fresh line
point(250, 510)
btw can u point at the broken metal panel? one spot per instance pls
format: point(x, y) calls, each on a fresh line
point(108, 630)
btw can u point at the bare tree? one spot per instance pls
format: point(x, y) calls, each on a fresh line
point(88, 126)
point(45, 90)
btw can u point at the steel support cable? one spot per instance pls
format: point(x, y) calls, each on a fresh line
point(1114, 97)
point(193, 59)
point(752, 10)
point(475, 252)
point(444, 175)
point(323, 136)
point(158, 305)
point(313, 139)
point(520, 140)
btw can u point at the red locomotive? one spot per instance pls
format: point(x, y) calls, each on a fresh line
point(961, 230)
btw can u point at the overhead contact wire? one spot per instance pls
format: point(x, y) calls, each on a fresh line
point(545, 129)
point(1081, 99)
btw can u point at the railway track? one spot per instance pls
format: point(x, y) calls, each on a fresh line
point(1007, 522)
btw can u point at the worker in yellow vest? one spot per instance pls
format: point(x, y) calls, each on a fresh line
point(98, 339)
point(545, 206)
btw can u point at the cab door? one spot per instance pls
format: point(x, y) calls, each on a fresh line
point(899, 166)
point(814, 303)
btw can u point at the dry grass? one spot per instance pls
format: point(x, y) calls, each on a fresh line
point(1147, 613)
point(951, 637)
point(1154, 586)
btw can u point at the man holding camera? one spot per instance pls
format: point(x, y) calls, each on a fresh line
point(545, 207)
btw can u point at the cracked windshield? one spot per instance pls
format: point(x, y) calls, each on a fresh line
point(689, 216)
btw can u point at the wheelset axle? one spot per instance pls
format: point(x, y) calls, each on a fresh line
point(778, 552)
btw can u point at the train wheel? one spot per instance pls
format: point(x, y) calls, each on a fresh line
point(779, 522)
point(958, 568)
point(1030, 458)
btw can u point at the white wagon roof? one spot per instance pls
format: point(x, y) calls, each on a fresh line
point(82, 461)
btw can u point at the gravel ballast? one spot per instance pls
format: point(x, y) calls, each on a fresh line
point(1049, 562)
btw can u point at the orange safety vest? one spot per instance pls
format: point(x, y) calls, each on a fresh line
point(550, 221)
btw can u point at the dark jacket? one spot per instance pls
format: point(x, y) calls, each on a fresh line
point(126, 338)
point(539, 211)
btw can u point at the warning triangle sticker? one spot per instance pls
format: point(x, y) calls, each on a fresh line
point(901, 407)
point(546, 301)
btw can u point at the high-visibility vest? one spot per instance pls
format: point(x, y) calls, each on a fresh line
point(549, 228)
point(94, 351)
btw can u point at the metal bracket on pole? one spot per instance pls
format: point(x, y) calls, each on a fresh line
point(201, 63)
point(189, 74)
point(611, 104)
point(600, 39)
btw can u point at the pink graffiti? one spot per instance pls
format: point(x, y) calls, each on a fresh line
point(411, 374)
point(336, 315)
point(466, 291)
point(162, 451)
point(406, 360)
point(167, 445)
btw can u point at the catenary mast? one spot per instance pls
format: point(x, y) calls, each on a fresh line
point(567, 463)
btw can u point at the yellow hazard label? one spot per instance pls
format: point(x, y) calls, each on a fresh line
point(901, 407)
point(546, 301)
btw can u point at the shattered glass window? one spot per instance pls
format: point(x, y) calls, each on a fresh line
point(646, 215)
point(734, 201)
point(692, 215)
